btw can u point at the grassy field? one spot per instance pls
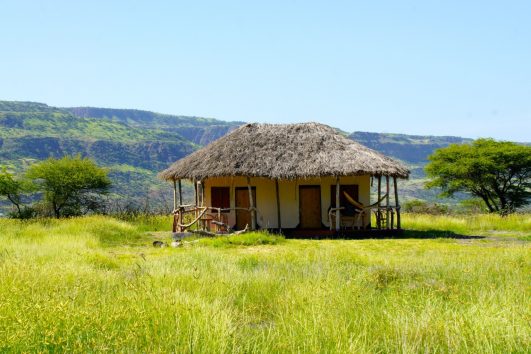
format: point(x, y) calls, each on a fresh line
point(97, 284)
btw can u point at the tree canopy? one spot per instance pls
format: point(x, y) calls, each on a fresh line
point(497, 172)
point(71, 185)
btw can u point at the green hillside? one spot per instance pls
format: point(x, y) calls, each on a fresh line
point(136, 144)
point(198, 130)
point(409, 148)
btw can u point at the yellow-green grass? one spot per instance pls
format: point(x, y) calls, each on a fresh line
point(518, 225)
point(97, 284)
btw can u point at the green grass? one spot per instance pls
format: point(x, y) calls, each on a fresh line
point(97, 284)
point(516, 225)
point(247, 239)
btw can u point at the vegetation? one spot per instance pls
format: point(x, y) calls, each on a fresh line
point(482, 225)
point(497, 172)
point(71, 185)
point(414, 149)
point(97, 284)
point(423, 207)
point(135, 145)
point(13, 189)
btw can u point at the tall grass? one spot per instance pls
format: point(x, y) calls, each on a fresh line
point(475, 224)
point(97, 284)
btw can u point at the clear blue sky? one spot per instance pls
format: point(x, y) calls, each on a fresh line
point(418, 67)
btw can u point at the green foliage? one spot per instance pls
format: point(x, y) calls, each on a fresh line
point(421, 206)
point(472, 206)
point(71, 185)
point(96, 284)
point(497, 172)
point(13, 189)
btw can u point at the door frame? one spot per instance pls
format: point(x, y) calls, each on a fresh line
point(310, 186)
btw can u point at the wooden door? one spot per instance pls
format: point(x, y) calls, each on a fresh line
point(310, 207)
point(243, 217)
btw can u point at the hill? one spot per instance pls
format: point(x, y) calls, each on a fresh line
point(409, 148)
point(133, 144)
point(136, 144)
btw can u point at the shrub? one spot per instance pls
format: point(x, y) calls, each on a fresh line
point(423, 207)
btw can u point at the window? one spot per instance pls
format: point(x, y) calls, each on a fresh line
point(220, 197)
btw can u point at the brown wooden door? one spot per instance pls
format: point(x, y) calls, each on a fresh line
point(310, 207)
point(243, 217)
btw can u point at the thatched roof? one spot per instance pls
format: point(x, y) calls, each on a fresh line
point(283, 151)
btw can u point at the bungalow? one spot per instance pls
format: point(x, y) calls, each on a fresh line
point(286, 176)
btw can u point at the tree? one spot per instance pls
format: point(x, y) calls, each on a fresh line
point(13, 189)
point(497, 172)
point(71, 185)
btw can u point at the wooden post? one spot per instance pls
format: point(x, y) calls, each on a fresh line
point(338, 212)
point(279, 219)
point(178, 219)
point(251, 204)
point(174, 196)
point(397, 205)
point(387, 202)
point(202, 193)
point(195, 198)
point(180, 194)
point(378, 211)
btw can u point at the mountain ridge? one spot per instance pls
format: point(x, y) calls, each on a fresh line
point(136, 144)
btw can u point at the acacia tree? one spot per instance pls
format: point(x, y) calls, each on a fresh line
point(71, 185)
point(497, 172)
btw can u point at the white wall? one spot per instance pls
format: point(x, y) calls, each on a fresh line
point(289, 197)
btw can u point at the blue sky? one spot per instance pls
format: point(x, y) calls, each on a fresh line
point(417, 67)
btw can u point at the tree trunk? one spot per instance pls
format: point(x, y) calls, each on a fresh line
point(487, 202)
point(17, 205)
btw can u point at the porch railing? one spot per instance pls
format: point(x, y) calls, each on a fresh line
point(204, 217)
point(384, 216)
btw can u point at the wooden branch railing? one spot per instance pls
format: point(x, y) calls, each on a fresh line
point(380, 212)
point(180, 211)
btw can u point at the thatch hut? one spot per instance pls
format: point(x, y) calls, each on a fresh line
point(286, 176)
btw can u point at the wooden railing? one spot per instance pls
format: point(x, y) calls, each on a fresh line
point(203, 218)
point(385, 218)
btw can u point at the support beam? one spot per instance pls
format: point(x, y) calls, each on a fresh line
point(195, 197)
point(379, 212)
point(338, 212)
point(397, 205)
point(387, 202)
point(251, 204)
point(202, 193)
point(175, 195)
point(279, 219)
point(180, 194)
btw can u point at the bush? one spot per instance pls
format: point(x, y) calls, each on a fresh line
point(423, 207)
point(472, 206)
point(26, 212)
